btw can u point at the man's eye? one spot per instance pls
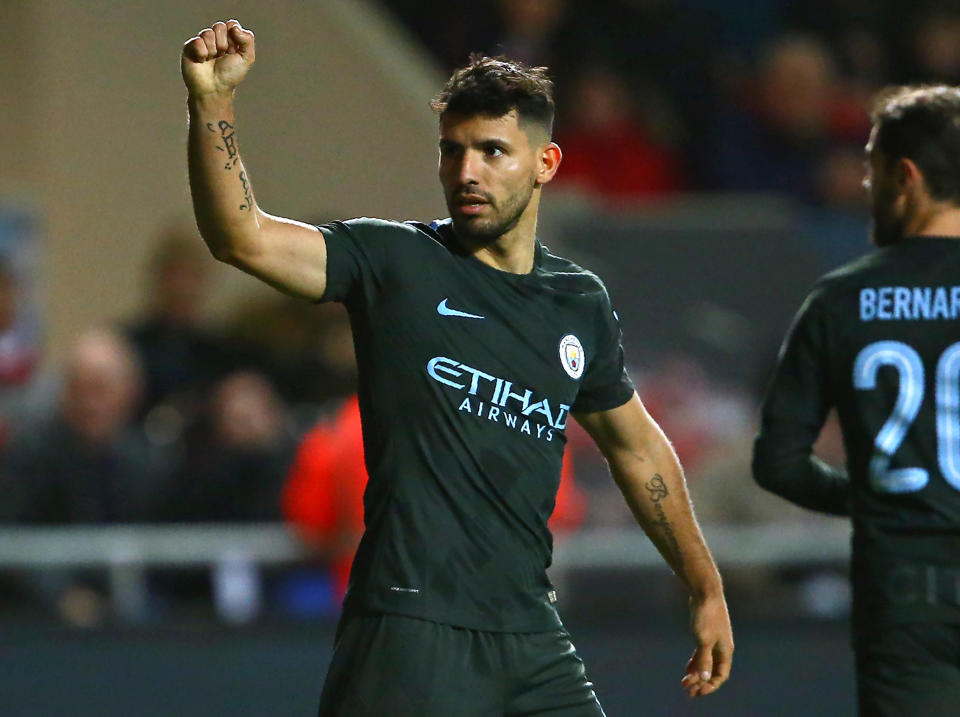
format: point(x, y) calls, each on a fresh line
point(494, 151)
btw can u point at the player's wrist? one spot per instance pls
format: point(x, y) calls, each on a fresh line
point(707, 590)
point(210, 99)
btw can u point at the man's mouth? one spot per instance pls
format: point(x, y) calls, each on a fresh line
point(471, 203)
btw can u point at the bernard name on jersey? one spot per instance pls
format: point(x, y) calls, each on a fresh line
point(910, 303)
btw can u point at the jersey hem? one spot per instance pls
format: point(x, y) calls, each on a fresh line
point(547, 623)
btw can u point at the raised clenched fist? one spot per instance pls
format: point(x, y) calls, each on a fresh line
point(217, 59)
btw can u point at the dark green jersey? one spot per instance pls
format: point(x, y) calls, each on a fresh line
point(468, 376)
point(879, 339)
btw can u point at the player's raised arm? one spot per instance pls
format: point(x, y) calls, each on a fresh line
point(648, 474)
point(286, 254)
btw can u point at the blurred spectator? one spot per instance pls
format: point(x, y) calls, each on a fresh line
point(19, 352)
point(836, 228)
point(236, 460)
point(323, 497)
point(737, 27)
point(85, 464)
point(308, 349)
point(666, 52)
point(22, 395)
point(533, 31)
point(181, 357)
point(840, 180)
point(699, 415)
point(451, 30)
point(933, 51)
point(855, 30)
point(528, 30)
point(787, 124)
point(608, 150)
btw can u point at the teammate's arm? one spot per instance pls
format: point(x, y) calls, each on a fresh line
point(648, 474)
point(793, 415)
point(286, 254)
point(784, 464)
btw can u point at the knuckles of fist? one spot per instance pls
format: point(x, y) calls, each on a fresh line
point(220, 39)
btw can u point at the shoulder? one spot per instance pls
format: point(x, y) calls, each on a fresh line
point(566, 275)
point(370, 227)
point(382, 242)
point(856, 269)
point(836, 285)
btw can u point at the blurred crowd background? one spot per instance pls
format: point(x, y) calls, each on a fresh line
point(713, 160)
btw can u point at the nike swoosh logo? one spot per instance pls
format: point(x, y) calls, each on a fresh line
point(445, 310)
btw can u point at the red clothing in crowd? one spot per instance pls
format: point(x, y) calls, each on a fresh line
point(323, 496)
point(618, 162)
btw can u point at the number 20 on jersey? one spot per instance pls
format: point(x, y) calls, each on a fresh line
point(909, 366)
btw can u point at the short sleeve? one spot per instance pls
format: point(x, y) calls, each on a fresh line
point(605, 383)
point(359, 252)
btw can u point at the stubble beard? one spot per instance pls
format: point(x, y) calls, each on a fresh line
point(887, 228)
point(483, 232)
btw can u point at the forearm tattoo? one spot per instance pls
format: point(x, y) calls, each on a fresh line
point(228, 137)
point(247, 195)
point(657, 489)
point(228, 145)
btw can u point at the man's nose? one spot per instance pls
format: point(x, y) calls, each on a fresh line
point(470, 168)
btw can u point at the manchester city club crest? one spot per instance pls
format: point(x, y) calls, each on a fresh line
point(571, 356)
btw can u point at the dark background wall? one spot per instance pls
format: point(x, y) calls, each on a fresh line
point(788, 669)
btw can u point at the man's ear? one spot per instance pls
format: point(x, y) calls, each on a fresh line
point(908, 175)
point(548, 162)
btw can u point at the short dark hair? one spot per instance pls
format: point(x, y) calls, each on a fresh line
point(495, 86)
point(922, 123)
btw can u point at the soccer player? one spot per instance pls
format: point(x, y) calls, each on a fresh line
point(879, 339)
point(474, 345)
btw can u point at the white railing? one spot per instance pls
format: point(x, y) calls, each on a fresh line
point(197, 545)
point(125, 552)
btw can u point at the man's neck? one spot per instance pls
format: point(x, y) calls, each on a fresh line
point(944, 223)
point(513, 252)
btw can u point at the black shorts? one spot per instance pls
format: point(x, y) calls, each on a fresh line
point(909, 671)
point(397, 666)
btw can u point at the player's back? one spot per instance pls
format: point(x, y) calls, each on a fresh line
point(888, 327)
